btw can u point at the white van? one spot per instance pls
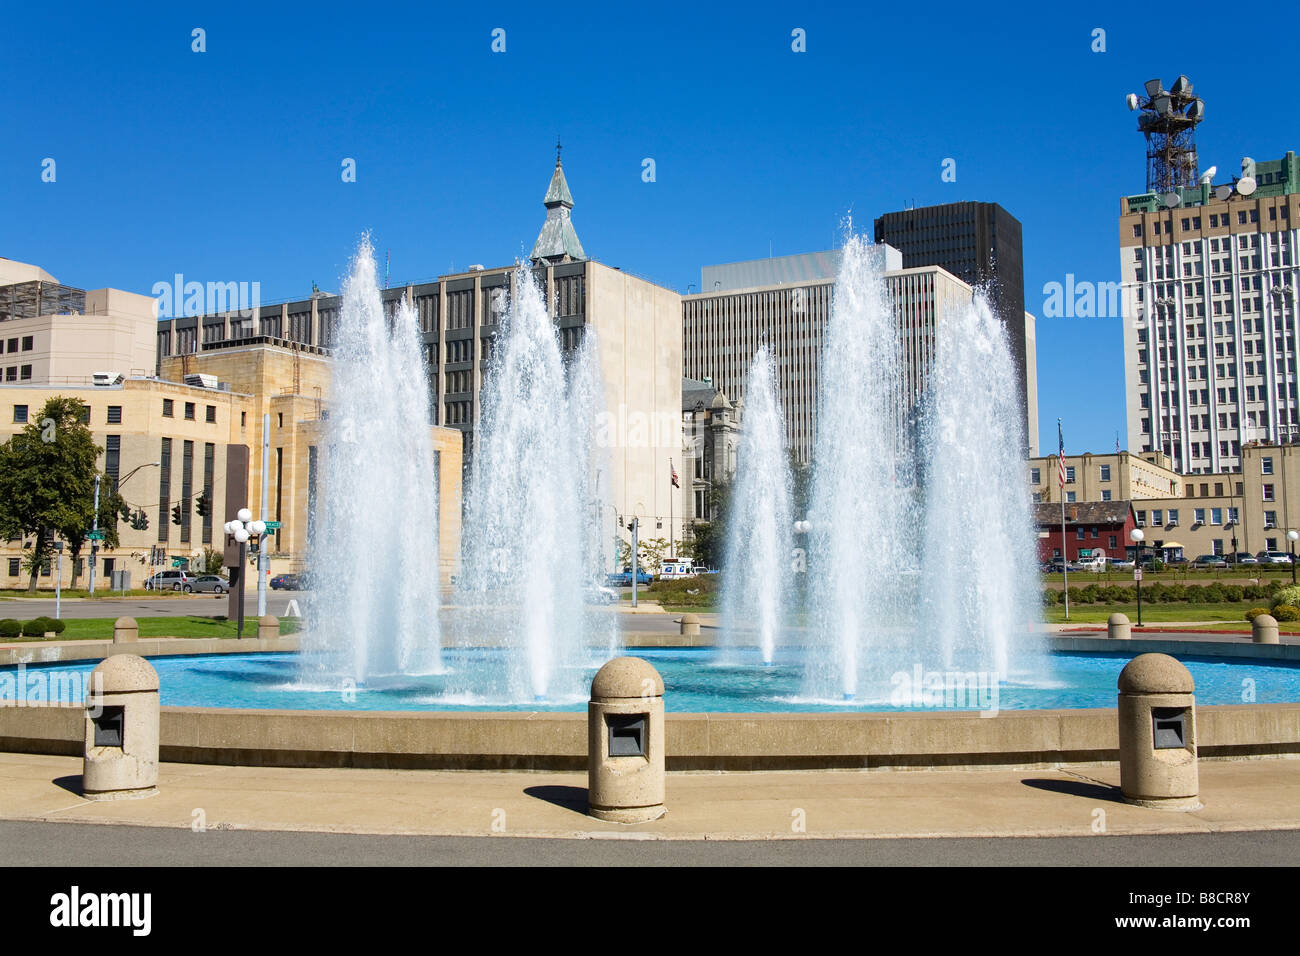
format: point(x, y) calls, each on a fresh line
point(678, 569)
point(1094, 562)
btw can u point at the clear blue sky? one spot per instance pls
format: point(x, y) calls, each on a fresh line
point(225, 165)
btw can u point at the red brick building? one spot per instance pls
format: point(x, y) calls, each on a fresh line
point(1089, 526)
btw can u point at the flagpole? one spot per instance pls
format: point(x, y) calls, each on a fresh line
point(1065, 560)
point(672, 472)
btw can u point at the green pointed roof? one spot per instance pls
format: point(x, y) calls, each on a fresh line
point(558, 240)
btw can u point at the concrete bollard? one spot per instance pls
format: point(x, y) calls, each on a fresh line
point(1118, 627)
point(268, 627)
point(1157, 734)
point(690, 625)
point(1263, 629)
point(625, 742)
point(121, 736)
point(125, 631)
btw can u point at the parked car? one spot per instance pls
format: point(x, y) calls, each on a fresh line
point(209, 582)
point(1273, 557)
point(1059, 566)
point(174, 580)
point(1122, 564)
point(623, 579)
point(291, 582)
point(1242, 557)
point(1210, 561)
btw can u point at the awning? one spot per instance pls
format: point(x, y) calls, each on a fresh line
point(1170, 544)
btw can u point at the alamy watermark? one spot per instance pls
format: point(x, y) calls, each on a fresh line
point(43, 686)
point(954, 690)
point(180, 298)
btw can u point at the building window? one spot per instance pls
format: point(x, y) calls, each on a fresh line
point(189, 411)
point(1105, 496)
point(279, 419)
point(1268, 492)
point(1069, 475)
point(243, 419)
point(1198, 516)
point(1105, 472)
point(1217, 546)
point(1270, 519)
point(1156, 518)
point(1035, 476)
point(1173, 516)
point(14, 567)
point(1069, 496)
point(85, 415)
point(115, 414)
point(1216, 516)
point(210, 413)
point(1141, 519)
point(1038, 497)
point(28, 344)
point(25, 373)
point(1270, 544)
point(1114, 542)
point(167, 408)
point(1266, 466)
point(20, 414)
point(1079, 533)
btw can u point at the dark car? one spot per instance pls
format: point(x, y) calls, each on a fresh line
point(291, 582)
point(1209, 561)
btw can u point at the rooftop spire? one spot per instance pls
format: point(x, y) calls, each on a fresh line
point(558, 241)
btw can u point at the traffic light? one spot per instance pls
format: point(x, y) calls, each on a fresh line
point(126, 512)
point(201, 506)
point(176, 513)
point(140, 521)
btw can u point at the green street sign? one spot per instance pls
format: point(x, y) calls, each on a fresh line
point(180, 562)
point(95, 535)
point(272, 525)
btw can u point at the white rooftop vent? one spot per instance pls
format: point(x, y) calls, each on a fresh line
point(201, 381)
point(107, 378)
point(476, 267)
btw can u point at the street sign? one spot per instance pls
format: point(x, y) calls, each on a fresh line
point(1137, 574)
point(180, 562)
point(272, 525)
point(94, 535)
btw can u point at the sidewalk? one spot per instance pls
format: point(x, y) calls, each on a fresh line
point(1240, 795)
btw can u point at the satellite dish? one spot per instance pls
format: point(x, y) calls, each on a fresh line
point(1132, 101)
point(1172, 200)
point(1222, 192)
point(1246, 185)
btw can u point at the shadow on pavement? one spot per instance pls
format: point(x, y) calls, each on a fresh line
point(570, 798)
point(1078, 788)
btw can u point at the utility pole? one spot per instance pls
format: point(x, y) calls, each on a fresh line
point(58, 581)
point(263, 557)
point(94, 541)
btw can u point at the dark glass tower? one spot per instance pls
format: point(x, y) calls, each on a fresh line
point(979, 243)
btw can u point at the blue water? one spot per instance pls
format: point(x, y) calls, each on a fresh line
point(694, 680)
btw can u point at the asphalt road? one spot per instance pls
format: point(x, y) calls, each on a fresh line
point(198, 605)
point(78, 845)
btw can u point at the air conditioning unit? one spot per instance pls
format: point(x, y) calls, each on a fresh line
point(107, 378)
point(201, 381)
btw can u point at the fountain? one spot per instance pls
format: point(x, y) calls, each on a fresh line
point(757, 586)
point(374, 608)
point(861, 559)
point(530, 544)
point(978, 566)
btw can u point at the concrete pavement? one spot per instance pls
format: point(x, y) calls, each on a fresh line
point(1084, 802)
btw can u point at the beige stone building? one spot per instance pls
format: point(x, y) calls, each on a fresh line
point(725, 324)
point(1208, 293)
point(167, 429)
point(1229, 512)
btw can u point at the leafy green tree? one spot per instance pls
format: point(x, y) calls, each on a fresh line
point(213, 561)
point(47, 484)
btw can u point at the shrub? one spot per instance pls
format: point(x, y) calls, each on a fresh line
point(1287, 595)
point(1194, 593)
point(1255, 592)
point(1076, 595)
point(1177, 592)
point(38, 626)
point(290, 625)
point(1213, 594)
point(1272, 585)
point(1157, 566)
point(10, 628)
point(1255, 612)
point(1051, 596)
point(1286, 612)
point(1233, 592)
point(1088, 594)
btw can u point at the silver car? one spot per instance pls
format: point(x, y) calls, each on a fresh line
point(169, 581)
point(209, 582)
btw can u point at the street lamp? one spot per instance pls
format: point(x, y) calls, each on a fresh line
point(241, 529)
point(1138, 536)
point(1291, 536)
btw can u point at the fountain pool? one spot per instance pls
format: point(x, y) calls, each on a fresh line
point(697, 680)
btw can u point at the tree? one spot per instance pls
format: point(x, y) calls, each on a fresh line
point(213, 561)
point(652, 553)
point(47, 482)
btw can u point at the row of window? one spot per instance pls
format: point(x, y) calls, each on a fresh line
point(169, 411)
point(18, 373)
point(1035, 475)
point(1216, 220)
point(24, 344)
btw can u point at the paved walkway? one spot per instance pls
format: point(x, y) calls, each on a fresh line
point(1238, 796)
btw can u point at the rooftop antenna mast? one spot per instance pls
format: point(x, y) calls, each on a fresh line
point(1169, 119)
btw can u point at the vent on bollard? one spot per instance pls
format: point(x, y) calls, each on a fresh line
point(108, 727)
point(626, 734)
point(1170, 725)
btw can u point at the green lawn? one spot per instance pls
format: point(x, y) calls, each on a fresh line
point(101, 628)
point(1233, 614)
point(1264, 572)
point(47, 594)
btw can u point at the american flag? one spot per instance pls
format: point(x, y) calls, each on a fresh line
point(673, 471)
point(1060, 466)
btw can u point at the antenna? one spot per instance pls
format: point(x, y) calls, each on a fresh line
point(1168, 120)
